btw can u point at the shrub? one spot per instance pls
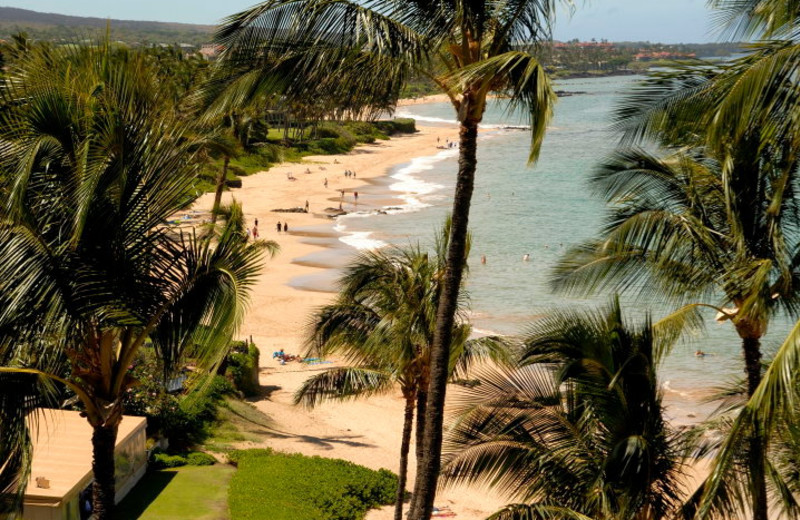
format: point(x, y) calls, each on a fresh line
point(164, 460)
point(198, 458)
point(278, 486)
point(400, 125)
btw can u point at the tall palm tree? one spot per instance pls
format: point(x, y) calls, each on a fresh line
point(382, 323)
point(364, 51)
point(692, 228)
point(577, 431)
point(92, 167)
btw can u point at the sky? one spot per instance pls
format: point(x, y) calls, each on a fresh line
point(666, 21)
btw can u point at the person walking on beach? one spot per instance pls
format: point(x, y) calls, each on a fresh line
point(256, 221)
point(279, 226)
point(355, 196)
point(306, 206)
point(326, 182)
point(285, 227)
point(255, 232)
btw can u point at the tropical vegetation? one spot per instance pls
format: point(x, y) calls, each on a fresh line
point(100, 146)
point(712, 219)
point(93, 165)
point(577, 430)
point(382, 324)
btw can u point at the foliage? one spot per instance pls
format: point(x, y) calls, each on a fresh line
point(277, 486)
point(183, 419)
point(162, 460)
point(242, 367)
point(198, 458)
point(579, 427)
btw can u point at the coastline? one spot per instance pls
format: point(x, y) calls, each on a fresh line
point(365, 431)
point(312, 233)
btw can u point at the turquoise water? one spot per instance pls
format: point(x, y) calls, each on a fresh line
point(539, 211)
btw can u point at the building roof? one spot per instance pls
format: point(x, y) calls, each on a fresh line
point(62, 452)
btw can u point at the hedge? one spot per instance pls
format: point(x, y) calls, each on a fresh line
point(196, 458)
point(276, 486)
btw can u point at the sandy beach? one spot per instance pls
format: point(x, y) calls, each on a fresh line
point(364, 431)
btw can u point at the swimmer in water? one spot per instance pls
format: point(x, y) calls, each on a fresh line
point(526, 257)
point(483, 259)
point(700, 353)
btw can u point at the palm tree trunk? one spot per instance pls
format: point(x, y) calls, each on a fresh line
point(422, 402)
point(104, 439)
point(428, 470)
point(223, 175)
point(751, 347)
point(405, 444)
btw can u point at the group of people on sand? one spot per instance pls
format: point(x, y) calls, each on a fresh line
point(285, 226)
point(447, 144)
point(349, 173)
point(283, 357)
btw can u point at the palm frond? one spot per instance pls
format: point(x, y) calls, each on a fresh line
point(343, 383)
point(522, 78)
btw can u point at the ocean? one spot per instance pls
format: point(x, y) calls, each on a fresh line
point(539, 211)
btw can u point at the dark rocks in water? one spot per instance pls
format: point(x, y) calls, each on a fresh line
point(567, 93)
point(334, 212)
point(393, 208)
point(233, 183)
point(380, 212)
point(290, 210)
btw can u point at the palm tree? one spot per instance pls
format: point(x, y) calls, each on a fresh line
point(577, 430)
point(692, 228)
point(743, 115)
point(364, 51)
point(92, 166)
point(382, 323)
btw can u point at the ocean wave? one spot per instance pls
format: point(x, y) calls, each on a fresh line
point(485, 332)
point(404, 113)
point(411, 186)
point(361, 240)
point(487, 126)
point(666, 386)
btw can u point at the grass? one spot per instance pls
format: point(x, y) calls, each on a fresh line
point(237, 421)
point(190, 492)
point(276, 486)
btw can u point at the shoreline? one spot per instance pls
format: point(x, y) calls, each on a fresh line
point(365, 431)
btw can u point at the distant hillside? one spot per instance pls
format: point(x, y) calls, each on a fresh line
point(59, 27)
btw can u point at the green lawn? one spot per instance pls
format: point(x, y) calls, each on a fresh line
point(190, 492)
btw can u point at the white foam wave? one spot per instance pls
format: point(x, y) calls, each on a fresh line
point(410, 190)
point(484, 332)
point(411, 187)
point(666, 386)
point(492, 126)
point(361, 240)
point(404, 113)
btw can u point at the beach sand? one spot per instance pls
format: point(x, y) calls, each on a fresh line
point(365, 431)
